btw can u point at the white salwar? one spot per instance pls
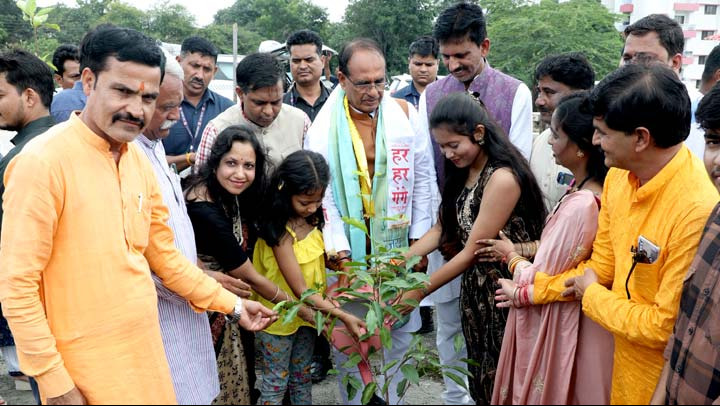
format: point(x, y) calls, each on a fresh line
point(400, 130)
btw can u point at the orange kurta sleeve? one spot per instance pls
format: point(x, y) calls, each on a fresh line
point(649, 322)
point(549, 289)
point(32, 203)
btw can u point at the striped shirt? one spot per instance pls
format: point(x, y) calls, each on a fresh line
point(186, 334)
point(693, 351)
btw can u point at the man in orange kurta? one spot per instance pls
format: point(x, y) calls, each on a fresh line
point(84, 223)
point(656, 199)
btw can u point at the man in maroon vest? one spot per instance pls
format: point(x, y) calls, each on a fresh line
point(461, 32)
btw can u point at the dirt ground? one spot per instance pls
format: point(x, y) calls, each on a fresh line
point(324, 393)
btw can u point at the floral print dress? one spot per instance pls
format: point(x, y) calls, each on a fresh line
point(483, 323)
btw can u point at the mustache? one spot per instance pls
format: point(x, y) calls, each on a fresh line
point(458, 69)
point(544, 110)
point(167, 124)
point(198, 81)
point(129, 118)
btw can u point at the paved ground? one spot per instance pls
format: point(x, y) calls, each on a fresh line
point(324, 393)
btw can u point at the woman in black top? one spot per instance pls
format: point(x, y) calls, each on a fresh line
point(222, 202)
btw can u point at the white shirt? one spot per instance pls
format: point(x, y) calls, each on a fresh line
point(696, 140)
point(543, 166)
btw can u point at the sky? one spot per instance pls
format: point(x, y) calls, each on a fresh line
point(204, 11)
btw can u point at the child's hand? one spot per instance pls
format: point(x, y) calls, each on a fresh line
point(355, 325)
point(307, 314)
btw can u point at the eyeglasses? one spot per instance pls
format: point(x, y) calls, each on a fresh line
point(365, 86)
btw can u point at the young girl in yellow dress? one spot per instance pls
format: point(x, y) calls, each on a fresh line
point(290, 253)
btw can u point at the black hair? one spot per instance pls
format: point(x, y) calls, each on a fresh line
point(200, 45)
point(577, 123)
point(302, 172)
point(125, 44)
point(668, 30)
point(708, 111)
point(424, 46)
point(247, 202)
point(461, 113)
point(459, 20)
point(571, 69)
point(64, 53)
point(259, 70)
point(26, 71)
point(304, 37)
point(649, 96)
point(712, 64)
point(351, 47)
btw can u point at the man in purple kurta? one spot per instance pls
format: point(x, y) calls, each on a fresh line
point(464, 45)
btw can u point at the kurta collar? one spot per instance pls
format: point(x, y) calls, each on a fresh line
point(658, 182)
point(91, 137)
point(145, 141)
point(32, 128)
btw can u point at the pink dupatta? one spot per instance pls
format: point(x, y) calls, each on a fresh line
point(553, 354)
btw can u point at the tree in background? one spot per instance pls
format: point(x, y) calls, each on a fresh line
point(12, 24)
point(272, 19)
point(523, 34)
point(393, 24)
point(170, 22)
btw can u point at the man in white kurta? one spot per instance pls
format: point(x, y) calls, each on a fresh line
point(387, 140)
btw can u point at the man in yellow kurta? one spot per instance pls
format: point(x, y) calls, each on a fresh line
point(656, 199)
point(84, 222)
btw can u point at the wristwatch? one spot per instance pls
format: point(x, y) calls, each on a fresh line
point(237, 310)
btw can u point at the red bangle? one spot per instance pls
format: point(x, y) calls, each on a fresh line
point(526, 295)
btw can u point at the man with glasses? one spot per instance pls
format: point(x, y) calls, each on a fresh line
point(361, 134)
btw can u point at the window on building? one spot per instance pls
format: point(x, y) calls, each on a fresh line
point(706, 34)
point(680, 19)
point(701, 59)
point(710, 9)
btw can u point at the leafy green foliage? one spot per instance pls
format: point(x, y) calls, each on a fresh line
point(274, 19)
point(522, 34)
point(393, 24)
point(389, 276)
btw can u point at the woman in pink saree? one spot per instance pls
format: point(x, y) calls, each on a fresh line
point(554, 354)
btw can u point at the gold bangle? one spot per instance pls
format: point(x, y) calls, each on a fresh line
point(187, 158)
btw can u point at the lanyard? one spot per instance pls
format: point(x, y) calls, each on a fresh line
point(197, 128)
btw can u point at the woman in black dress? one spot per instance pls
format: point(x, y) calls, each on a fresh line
point(489, 188)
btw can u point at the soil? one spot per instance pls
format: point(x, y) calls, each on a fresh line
point(324, 393)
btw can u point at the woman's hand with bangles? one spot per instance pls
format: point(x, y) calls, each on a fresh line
point(494, 250)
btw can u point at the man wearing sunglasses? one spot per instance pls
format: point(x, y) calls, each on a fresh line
point(382, 174)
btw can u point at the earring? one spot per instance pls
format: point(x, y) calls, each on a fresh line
point(580, 154)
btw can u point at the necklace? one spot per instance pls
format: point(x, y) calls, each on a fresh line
point(237, 224)
point(575, 189)
point(572, 190)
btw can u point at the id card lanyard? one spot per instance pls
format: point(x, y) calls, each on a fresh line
point(197, 128)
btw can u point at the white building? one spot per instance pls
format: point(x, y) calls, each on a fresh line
point(700, 21)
